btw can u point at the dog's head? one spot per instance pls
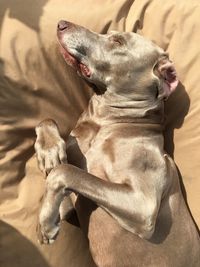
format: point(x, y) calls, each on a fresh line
point(122, 63)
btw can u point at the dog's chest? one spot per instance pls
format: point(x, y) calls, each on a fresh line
point(96, 145)
point(107, 154)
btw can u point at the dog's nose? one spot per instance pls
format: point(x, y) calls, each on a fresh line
point(62, 25)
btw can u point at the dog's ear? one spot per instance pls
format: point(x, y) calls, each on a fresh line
point(165, 71)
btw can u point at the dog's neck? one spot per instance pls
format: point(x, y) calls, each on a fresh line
point(120, 109)
point(103, 112)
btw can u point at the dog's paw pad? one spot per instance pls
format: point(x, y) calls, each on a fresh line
point(47, 236)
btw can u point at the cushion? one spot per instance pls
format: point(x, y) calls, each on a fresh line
point(35, 83)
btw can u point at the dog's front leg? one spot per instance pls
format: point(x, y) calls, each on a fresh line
point(50, 150)
point(119, 200)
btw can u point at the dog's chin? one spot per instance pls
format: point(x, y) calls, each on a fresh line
point(72, 61)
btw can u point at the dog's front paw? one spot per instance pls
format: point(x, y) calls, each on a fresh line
point(47, 235)
point(49, 146)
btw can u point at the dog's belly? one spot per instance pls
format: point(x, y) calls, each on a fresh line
point(108, 239)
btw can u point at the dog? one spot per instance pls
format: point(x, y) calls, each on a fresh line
point(124, 186)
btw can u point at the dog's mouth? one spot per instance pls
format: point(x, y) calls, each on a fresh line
point(74, 62)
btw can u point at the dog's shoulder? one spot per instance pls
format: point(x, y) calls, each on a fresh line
point(85, 128)
point(85, 131)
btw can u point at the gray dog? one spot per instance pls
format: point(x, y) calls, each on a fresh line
point(127, 192)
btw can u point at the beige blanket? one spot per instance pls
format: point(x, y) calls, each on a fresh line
point(35, 83)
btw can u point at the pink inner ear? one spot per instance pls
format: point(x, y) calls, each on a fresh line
point(169, 75)
point(171, 78)
point(169, 88)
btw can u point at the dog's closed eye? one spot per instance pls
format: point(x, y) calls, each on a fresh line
point(117, 40)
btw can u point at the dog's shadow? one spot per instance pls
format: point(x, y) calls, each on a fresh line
point(176, 108)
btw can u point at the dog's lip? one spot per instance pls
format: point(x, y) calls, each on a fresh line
point(74, 62)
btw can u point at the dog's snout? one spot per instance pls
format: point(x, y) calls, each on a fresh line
point(62, 25)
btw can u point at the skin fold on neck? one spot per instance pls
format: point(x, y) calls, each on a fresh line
point(115, 108)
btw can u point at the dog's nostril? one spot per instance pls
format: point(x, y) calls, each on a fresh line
point(62, 25)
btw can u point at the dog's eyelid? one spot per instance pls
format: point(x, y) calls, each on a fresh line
point(118, 39)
